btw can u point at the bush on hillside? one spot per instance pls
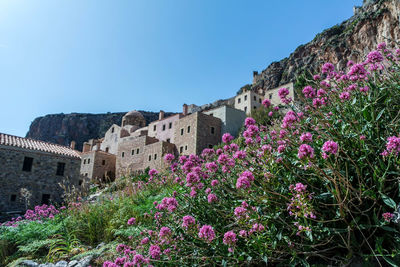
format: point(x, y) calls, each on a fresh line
point(319, 186)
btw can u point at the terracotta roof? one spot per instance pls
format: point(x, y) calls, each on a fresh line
point(27, 143)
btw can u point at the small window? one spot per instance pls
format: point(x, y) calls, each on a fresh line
point(155, 156)
point(149, 157)
point(181, 149)
point(154, 127)
point(137, 151)
point(103, 162)
point(170, 125)
point(27, 167)
point(254, 107)
point(80, 182)
point(107, 149)
point(88, 161)
point(255, 98)
point(210, 146)
point(186, 147)
point(13, 198)
point(270, 96)
point(133, 152)
point(168, 140)
point(188, 129)
point(259, 100)
point(163, 127)
point(212, 130)
point(238, 100)
point(84, 161)
point(123, 154)
point(60, 168)
point(112, 130)
point(86, 174)
point(46, 199)
point(245, 97)
point(181, 131)
point(211, 114)
point(245, 109)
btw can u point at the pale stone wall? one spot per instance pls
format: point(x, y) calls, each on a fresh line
point(164, 129)
point(131, 154)
point(248, 101)
point(206, 137)
point(154, 154)
point(100, 167)
point(272, 94)
point(42, 178)
point(111, 140)
point(232, 119)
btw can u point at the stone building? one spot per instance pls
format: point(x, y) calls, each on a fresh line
point(232, 119)
point(31, 172)
point(98, 165)
point(163, 129)
point(273, 96)
point(248, 101)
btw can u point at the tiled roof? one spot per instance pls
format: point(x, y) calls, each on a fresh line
point(27, 143)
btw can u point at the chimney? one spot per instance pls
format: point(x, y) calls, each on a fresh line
point(98, 143)
point(161, 115)
point(73, 144)
point(185, 109)
point(86, 147)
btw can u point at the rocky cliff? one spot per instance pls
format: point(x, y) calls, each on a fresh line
point(79, 127)
point(372, 23)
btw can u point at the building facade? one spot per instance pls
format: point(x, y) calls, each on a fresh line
point(232, 119)
point(31, 172)
point(98, 165)
point(273, 96)
point(248, 101)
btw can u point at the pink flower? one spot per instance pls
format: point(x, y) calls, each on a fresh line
point(211, 166)
point(300, 187)
point(309, 92)
point(243, 233)
point(306, 137)
point(207, 233)
point(344, 96)
point(227, 137)
point(188, 221)
point(249, 121)
point(266, 103)
point(328, 67)
point(330, 147)
point(214, 182)
point(169, 157)
point(131, 221)
point(305, 151)
point(145, 241)
point(387, 216)
point(212, 198)
point(230, 238)
point(374, 57)
point(393, 145)
point(381, 46)
point(153, 172)
point(155, 252)
point(240, 212)
point(164, 232)
point(242, 182)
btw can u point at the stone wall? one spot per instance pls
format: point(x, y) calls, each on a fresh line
point(273, 96)
point(208, 132)
point(110, 142)
point(40, 180)
point(164, 129)
point(154, 154)
point(101, 166)
point(247, 101)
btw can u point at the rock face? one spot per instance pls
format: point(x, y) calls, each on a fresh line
point(372, 23)
point(79, 127)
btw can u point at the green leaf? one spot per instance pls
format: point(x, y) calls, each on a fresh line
point(390, 261)
point(388, 201)
point(380, 114)
point(388, 228)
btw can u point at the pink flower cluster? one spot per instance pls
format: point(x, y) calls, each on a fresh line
point(392, 146)
point(207, 233)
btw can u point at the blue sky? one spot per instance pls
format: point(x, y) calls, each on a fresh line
point(96, 56)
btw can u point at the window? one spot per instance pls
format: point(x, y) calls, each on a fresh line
point(168, 140)
point(137, 151)
point(188, 129)
point(13, 198)
point(133, 152)
point(123, 154)
point(107, 149)
point(181, 149)
point(80, 182)
point(170, 125)
point(149, 157)
point(84, 161)
point(245, 97)
point(163, 127)
point(210, 146)
point(86, 174)
point(270, 96)
point(27, 167)
point(181, 131)
point(211, 114)
point(46, 199)
point(212, 130)
point(254, 107)
point(238, 100)
point(259, 100)
point(154, 127)
point(155, 156)
point(88, 161)
point(245, 109)
point(186, 147)
point(112, 129)
point(103, 162)
point(60, 168)
point(255, 98)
